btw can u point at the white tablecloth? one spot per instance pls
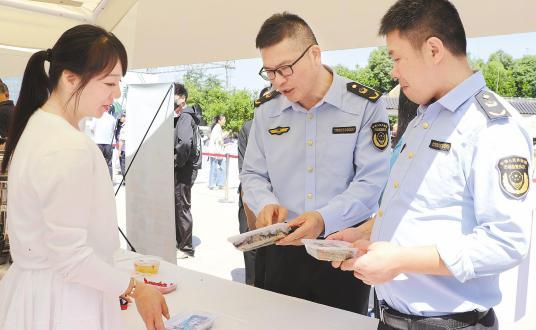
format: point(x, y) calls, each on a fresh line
point(238, 306)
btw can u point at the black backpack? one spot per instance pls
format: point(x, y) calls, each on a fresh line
point(197, 147)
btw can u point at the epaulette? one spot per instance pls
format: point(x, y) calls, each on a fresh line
point(363, 91)
point(266, 97)
point(492, 107)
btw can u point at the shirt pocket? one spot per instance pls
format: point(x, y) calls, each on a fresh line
point(444, 182)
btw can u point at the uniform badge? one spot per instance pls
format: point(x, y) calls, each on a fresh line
point(514, 176)
point(438, 145)
point(380, 135)
point(279, 130)
point(344, 130)
point(492, 107)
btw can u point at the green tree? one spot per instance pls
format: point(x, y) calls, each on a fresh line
point(498, 78)
point(377, 73)
point(208, 92)
point(524, 73)
point(500, 56)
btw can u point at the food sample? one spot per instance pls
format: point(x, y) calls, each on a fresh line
point(260, 237)
point(147, 265)
point(329, 250)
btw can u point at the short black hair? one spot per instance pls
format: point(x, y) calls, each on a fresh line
point(419, 20)
point(180, 90)
point(284, 25)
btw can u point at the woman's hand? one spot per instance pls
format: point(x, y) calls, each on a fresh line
point(151, 305)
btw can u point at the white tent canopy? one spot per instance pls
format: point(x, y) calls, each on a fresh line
point(170, 32)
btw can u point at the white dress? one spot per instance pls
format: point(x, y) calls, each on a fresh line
point(62, 228)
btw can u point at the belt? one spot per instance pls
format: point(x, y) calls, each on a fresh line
point(401, 321)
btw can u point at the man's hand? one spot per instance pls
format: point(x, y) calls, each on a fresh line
point(376, 262)
point(270, 214)
point(351, 235)
point(310, 225)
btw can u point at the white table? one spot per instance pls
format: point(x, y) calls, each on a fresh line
point(238, 306)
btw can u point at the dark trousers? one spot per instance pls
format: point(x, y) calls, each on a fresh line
point(107, 152)
point(249, 256)
point(291, 271)
point(183, 216)
point(487, 322)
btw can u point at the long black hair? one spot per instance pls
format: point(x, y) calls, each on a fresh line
point(216, 120)
point(85, 50)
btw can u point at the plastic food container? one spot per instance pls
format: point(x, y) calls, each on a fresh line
point(147, 265)
point(260, 237)
point(194, 321)
point(329, 250)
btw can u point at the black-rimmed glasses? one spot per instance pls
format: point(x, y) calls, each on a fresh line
point(283, 70)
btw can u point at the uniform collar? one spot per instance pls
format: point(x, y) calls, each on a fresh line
point(333, 96)
point(461, 93)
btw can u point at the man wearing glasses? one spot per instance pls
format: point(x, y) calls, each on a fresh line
point(318, 156)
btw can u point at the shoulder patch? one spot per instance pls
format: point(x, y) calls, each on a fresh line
point(491, 106)
point(514, 176)
point(266, 97)
point(363, 91)
point(380, 135)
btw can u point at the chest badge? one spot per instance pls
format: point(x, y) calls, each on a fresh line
point(514, 176)
point(438, 145)
point(279, 130)
point(380, 135)
point(344, 130)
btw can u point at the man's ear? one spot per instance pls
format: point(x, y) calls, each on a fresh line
point(434, 48)
point(316, 52)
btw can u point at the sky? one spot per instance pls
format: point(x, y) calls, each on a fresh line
point(245, 75)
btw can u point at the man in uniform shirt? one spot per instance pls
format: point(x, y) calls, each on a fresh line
point(318, 155)
point(456, 211)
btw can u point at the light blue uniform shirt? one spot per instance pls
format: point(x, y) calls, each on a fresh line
point(454, 200)
point(309, 168)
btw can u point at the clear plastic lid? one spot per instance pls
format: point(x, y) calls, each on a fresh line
point(192, 321)
point(260, 237)
point(329, 250)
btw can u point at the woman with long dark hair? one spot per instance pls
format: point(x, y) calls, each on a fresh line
point(61, 209)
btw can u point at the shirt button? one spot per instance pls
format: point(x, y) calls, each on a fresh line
point(425, 125)
point(309, 196)
point(410, 155)
point(310, 116)
point(310, 169)
point(396, 185)
point(310, 143)
point(380, 213)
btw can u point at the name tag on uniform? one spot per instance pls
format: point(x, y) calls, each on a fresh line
point(344, 130)
point(279, 130)
point(438, 145)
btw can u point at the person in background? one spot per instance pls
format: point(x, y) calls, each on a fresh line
point(216, 145)
point(61, 210)
point(120, 137)
point(6, 111)
point(187, 163)
point(103, 136)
